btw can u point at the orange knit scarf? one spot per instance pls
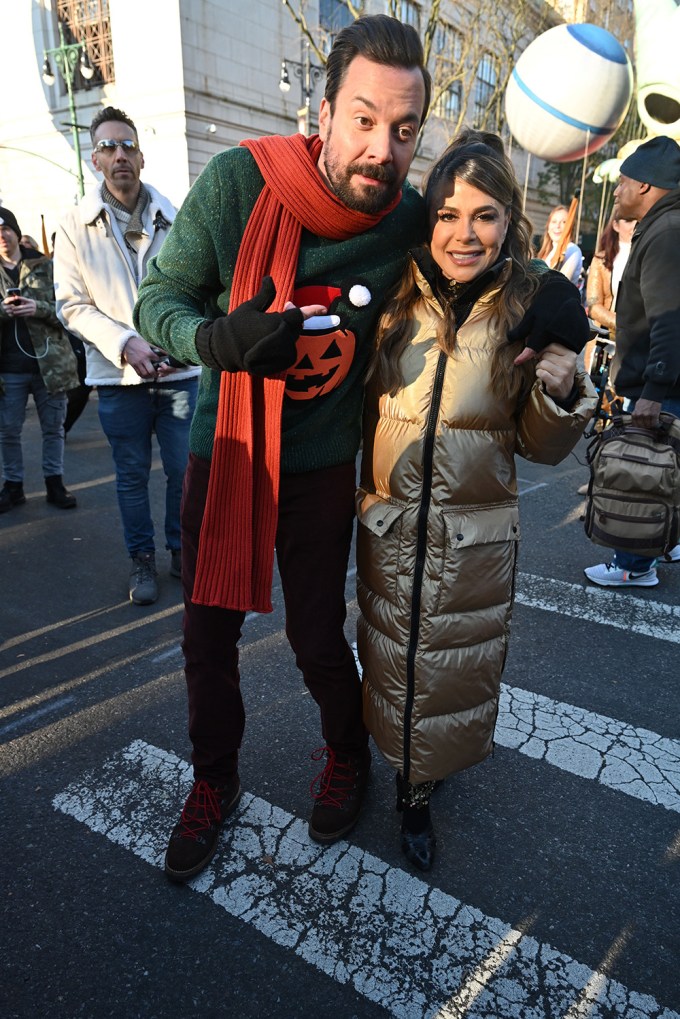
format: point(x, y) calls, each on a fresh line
point(236, 547)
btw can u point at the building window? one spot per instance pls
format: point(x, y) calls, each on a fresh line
point(408, 13)
point(333, 17)
point(447, 46)
point(486, 82)
point(88, 21)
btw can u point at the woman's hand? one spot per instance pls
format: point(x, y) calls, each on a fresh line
point(556, 368)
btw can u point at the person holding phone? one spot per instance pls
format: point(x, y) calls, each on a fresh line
point(101, 254)
point(36, 360)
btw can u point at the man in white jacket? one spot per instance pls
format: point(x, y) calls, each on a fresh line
point(101, 253)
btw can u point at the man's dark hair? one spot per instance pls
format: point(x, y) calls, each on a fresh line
point(379, 38)
point(111, 113)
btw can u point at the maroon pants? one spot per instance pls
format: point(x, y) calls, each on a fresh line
point(313, 539)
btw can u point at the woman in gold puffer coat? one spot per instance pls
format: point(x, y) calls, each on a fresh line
point(449, 403)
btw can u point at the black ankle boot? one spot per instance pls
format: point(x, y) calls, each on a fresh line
point(57, 494)
point(417, 833)
point(11, 495)
point(419, 849)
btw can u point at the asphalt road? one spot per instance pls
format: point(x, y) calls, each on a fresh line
point(555, 890)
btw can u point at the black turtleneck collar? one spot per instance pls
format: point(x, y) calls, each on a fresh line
point(460, 297)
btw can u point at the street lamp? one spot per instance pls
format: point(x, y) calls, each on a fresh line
point(68, 56)
point(309, 74)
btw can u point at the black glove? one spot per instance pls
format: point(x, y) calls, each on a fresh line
point(251, 339)
point(556, 316)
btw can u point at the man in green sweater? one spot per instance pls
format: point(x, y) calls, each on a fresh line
point(271, 227)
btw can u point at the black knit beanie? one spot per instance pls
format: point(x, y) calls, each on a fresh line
point(8, 218)
point(657, 162)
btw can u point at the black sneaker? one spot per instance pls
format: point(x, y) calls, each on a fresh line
point(339, 793)
point(143, 579)
point(176, 563)
point(194, 840)
point(11, 495)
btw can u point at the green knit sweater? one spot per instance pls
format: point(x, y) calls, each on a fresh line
point(190, 280)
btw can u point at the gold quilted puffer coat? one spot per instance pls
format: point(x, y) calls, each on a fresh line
point(437, 541)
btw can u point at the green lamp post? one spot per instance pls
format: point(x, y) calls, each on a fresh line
point(68, 57)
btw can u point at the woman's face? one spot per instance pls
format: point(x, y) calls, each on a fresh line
point(625, 229)
point(468, 230)
point(556, 225)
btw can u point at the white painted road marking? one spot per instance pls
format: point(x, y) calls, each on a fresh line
point(413, 949)
point(607, 606)
point(525, 486)
point(636, 762)
point(30, 716)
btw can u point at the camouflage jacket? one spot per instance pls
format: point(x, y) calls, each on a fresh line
point(58, 367)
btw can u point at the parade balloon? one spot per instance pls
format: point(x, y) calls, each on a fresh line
point(568, 92)
point(657, 67)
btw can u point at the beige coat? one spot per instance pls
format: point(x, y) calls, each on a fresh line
point(96, 282)
point(437, 545)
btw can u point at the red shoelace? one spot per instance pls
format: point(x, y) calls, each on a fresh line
point(333, 785)
point(201, 810)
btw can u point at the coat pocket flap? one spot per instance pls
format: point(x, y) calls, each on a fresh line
point(482, 525)
point(376, 514)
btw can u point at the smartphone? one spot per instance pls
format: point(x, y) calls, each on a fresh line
point(166, 359)
point(13, 292)
point(322, 322)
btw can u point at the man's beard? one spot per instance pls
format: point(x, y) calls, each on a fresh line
point(360, 199)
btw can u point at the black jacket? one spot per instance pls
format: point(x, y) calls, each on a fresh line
point(647, 360)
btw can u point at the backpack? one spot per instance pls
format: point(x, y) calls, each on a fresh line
point(633, 500)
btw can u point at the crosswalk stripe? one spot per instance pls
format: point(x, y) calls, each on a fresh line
point(608, 606)
point(634, 761)
point(412, 948)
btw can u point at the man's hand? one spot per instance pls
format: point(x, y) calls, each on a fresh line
point(646, 414)
point(554, 316)
point(252, 339)
point(141, 356)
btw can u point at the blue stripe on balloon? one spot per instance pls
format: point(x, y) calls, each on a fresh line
point(599, 41)
point(565, 118)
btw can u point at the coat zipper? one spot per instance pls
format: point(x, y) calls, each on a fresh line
point(421, 548)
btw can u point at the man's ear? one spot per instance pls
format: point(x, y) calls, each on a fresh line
point(95, 160)
point(324, 118)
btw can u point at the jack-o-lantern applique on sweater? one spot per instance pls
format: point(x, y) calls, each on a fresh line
point(324, 356)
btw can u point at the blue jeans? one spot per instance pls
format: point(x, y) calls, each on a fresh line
point(129, 416)
point(628, 560)
point(51, 413)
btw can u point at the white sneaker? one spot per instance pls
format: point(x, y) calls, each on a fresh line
point(672, 556)
point(608, 575)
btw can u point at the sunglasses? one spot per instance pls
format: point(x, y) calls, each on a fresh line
point(111, 144)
